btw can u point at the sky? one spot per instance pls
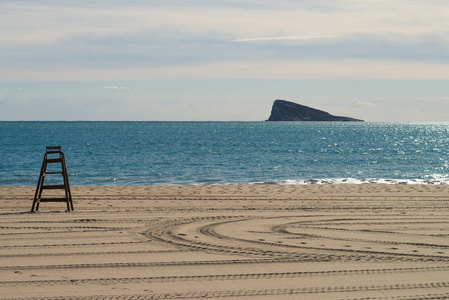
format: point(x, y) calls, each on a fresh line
point(223, 60)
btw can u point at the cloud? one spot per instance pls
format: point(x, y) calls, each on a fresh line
point(255, 69)
point(297, 37)
point(116, 87)
point(414, 99)
point(206, 39)
point(360, 102)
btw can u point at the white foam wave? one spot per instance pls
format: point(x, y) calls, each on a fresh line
point(439, 181)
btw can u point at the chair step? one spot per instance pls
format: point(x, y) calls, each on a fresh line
point(54, 160)
point(54, 187)
point(60, 172)
point(53, 200)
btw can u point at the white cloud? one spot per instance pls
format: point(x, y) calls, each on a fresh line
point(52, 23)
point(176, 38)
point(298, 37)
point(257, 69)
point(116, 87)
point(414, 99)
point(360, 102)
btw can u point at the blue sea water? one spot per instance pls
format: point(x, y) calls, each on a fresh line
point(165, 153)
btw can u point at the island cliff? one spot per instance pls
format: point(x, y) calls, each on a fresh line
point(288, 111)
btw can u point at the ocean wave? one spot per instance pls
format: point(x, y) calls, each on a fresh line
point(357, 181)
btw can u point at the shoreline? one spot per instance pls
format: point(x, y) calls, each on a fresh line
point(227, 242)
point(316, 181)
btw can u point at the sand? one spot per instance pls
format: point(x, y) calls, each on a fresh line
point(228, 242)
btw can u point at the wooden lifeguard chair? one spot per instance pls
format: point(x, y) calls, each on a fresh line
point(53, 155)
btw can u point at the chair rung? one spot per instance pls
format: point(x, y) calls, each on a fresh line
point(53, 172)
point(54, 187)
point(53, 200)
point(54, 147)
point(54, 160)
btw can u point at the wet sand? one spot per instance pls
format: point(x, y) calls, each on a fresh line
point(228, 242)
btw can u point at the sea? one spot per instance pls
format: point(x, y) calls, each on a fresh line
point(203, 153)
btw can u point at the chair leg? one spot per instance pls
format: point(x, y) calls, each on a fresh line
point(40, 183)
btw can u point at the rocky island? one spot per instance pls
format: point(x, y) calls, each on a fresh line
point(289, 111)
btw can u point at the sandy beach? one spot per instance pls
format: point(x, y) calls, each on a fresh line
point(342, 241)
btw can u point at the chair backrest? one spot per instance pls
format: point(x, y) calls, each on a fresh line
point(53, 149)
